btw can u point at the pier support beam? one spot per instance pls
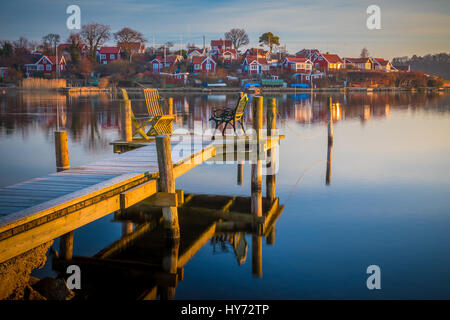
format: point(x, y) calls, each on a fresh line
point(66, 246)
point(167, 184)
point(127, 130)
point(240, 173)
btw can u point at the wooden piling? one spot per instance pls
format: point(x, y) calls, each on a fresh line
point(258, 118)
point(240, 173)
point(257, 256)
point(66, 246)
point(271, 153)
point(127, 131)
point(330, 142)
point(167, 184)
point(61, 151)
point(330, 119)
point(169, 105)
point(169, 265)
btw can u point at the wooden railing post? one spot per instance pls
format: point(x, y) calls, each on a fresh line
point(127, 133)
point(170, 105)
point(258, 119)
point(167, 184)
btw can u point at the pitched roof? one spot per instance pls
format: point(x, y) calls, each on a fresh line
point(104, 50)
point(381, 61)
point(261, 61)
point(297, 60)
point(201, 59)
point(169, 59)
point(332, 58)
point(227, 43)
point(52, 59)
point(357, 60)
point(132, 45)
point(256, 51)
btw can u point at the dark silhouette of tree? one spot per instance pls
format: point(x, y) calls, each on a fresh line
point(364, 53)
point(76, 45)
point(129, 40)
point(94, 35)
point(238, 37)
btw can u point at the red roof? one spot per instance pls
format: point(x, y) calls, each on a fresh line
point(297, 60)
point(332, 58)
point(259, 60)
point(357, 60)
point(200, 60)
point(256, 51)
point(53, 59)
point(132, 45)
point(104, 50)
point(381, 61)
point(169, 59)
point(232, 51)
point(215, 43)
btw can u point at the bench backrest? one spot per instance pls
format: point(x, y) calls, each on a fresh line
point(152, 102)
point(240, 108)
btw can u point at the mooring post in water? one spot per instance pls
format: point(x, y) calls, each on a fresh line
point(62, 163)
point(169, 105)
point(258, 119)
point(240, 173)
point(61, 151)
point(330, 141)
point(127, 228)
point(127, 131)
point(257, 256)
point(271, 153)
point(167, 184)
point(270, 240)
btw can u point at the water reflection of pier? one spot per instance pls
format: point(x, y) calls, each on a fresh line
point(145, 264)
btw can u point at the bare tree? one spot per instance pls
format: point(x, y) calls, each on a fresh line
point(238, 37)
point(94, 35)
point(129, 40)
point(50, 41)
point(364, 53)
point(76, 45)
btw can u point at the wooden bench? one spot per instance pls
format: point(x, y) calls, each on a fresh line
point(230, 116)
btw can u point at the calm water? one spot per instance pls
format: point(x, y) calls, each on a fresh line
point(387, 203)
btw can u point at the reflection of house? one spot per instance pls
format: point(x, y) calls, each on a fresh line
point(46, 65)
point(328, 62)
point(107, 54)
point(300, 65)
point(253, 65)
point(382, 64)
point(204, 64)
point(358, 63)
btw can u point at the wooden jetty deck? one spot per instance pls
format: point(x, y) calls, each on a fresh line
point(41, 209)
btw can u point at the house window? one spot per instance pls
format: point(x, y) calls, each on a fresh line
point(197, 67)
point(111, 56)
point(105, 62)
point(253, 67)
point(208, 66)
point(40, 67)
point(103, 56)
point(49, 67)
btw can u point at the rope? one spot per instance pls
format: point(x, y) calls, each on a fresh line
point(301, 176)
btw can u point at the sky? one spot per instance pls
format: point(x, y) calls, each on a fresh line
point(407, 26)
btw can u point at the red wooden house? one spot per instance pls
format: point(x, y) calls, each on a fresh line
point(193, 51)
point(298, 65)
point(254, 65)
point(328, 62)
point(46, 65)
point(218, 45)
point(160, 63)
point(256, 52)
point(107, 54)
point(204, 64)
point(228, 55)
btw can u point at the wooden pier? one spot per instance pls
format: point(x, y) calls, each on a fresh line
point(42, 209)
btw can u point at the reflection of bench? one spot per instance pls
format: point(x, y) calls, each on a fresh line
point(156, 122)
point(227, 115)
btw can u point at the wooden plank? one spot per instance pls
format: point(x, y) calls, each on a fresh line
point(138, 193)
point(162, 199)
point(197, 245)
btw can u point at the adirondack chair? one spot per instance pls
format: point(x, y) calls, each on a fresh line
point(156, 123)
point(230, 116)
